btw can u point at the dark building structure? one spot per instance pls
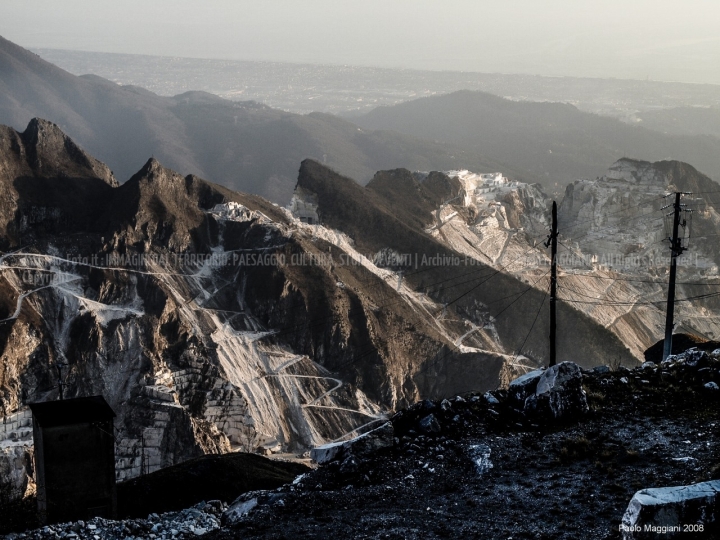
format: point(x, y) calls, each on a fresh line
point(74, 459)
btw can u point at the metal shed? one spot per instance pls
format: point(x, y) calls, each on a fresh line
point(74, 459)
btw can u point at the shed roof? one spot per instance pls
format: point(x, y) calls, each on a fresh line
point(72, 411)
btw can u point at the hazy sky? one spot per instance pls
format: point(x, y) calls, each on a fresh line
point(660, 39)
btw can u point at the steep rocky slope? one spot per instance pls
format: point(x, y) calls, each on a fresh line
point(164, 295)
point(212, 320)
point(616, 253)
point(613, 248)
point(392, 214)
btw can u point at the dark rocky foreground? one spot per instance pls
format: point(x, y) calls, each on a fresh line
point(173, 498)
point(488, 466)
point(492, 471)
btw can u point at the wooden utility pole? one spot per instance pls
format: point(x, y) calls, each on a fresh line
point(552, 242)
point(676, 250)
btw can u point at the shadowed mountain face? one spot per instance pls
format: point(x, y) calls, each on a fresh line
point(242, 145)
point(556, 143)
point(212, 320)
point(392, 213)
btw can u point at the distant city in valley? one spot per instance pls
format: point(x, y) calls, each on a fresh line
point(338, 89)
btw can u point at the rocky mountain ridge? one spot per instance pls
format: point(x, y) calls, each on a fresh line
point(212, 320)
point(555, 141)
point(613, 249)
point(251, 147)
point(244, 146)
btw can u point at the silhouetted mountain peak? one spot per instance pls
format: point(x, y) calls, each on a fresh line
point(51, 153)
point(314, 177)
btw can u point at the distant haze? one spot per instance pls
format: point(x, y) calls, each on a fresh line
point(657, 39)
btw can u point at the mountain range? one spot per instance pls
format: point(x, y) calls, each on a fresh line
point(242, 145)
point(213, 320)
point(253, 148)
point(554, 142)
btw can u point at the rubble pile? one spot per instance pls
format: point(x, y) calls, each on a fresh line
point(564, 448)
point(561, 453)
point(189, 523)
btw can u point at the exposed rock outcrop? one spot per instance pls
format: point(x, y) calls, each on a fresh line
point(559, 392)
point(369, 442)
point(616, 255)
point(555, 393)
point(209, 320)
point(613, 253)
point(673, 512)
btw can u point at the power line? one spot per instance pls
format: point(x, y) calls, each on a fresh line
point(625, 279)
point(451, 350)
point(693, 283)
point(531, 327)
point(645, 303)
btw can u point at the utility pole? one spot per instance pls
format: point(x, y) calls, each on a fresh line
point(552, 243)
point(676, 250)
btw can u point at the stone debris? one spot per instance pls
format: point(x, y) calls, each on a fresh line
point(524, 386)
point(480, 455)
point(366, 443)
point(429, 424)
point(648, 365)
point(664, 512)
point(492, 460)
point(559, 391)
point(192, 522)
point(423, 444)
point(247, 502)
point(554, 393)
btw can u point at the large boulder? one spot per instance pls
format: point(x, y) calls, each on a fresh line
point(429, 424)
point(524, 386)
point(359, 446)
point(247, 502)
point(667, 512)
point(559, 393)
